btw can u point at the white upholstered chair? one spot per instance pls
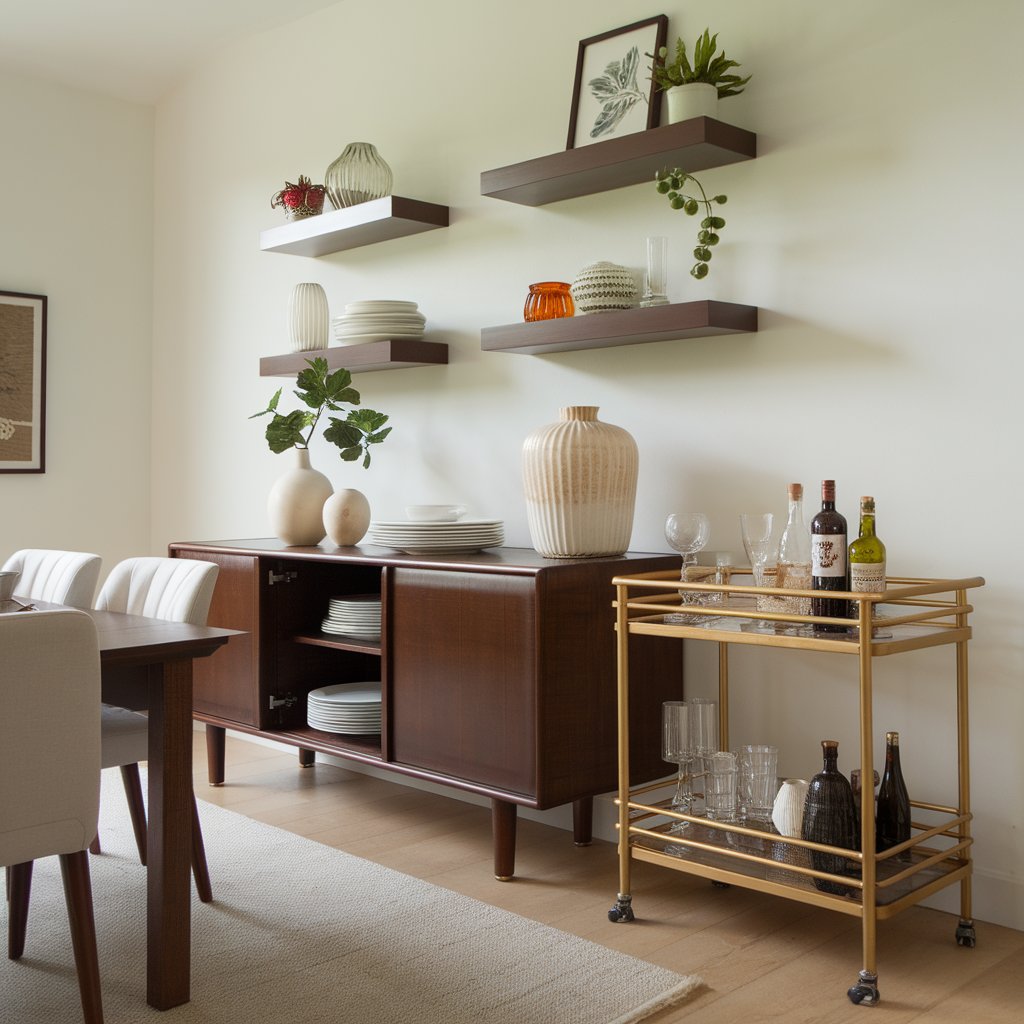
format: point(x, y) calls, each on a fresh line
point(180, 590)
point(60, 577)
point(50, 773)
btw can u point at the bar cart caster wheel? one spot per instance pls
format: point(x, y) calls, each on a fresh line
point(865, 992)
point(965, 934)
point(721, 885)
point(622, 912)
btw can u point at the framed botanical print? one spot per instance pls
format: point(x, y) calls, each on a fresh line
point(613, 93)
point(22, 382)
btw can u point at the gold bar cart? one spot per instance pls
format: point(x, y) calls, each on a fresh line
point(912, 614)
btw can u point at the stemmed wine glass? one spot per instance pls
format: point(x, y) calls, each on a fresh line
point(677, 748)
point(703, 715)
point(756, 528)
point(687, 533)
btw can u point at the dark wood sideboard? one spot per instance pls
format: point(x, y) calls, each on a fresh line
point(498, 668)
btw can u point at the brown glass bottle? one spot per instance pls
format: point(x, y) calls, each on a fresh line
point(828, 559)
point(892, 817)
point(830, 818)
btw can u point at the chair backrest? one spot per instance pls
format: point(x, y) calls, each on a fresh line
point(61, 577)
point(177, 589)
point(49, 734)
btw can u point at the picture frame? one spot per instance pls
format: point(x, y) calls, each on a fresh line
point(608, 97)
point(22, 382)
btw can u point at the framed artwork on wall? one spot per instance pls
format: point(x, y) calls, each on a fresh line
point(613, 93)
point(22, 382)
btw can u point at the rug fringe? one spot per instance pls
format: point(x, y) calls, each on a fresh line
point(673, 996)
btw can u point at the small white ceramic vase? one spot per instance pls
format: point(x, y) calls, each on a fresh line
point(602, 286)
point(579, 478)
point(295, 504)
point(788, 809)
point(308, 317)
point(346, 517)
point(695, 99)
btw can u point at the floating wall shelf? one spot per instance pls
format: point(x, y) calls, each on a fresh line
point(694, 145)
point(393, 354)
point(364, 224)
point(675, 321)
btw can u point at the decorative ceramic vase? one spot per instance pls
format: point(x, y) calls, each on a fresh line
point(346, 517)
point(603, 286)
point(695, 99)
point(830, 818)
point(788, 809)
point(308, 317)
point(295, 504)
point(579, 477)
point(357, 176)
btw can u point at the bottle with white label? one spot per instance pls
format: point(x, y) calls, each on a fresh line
point(867, 553)
point(828, 560)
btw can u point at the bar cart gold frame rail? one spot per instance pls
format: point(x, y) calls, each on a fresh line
point(912, 614)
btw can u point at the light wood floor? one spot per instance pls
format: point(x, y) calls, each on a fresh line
point(761, 958)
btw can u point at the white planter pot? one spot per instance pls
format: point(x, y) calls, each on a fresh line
point(295, 504)
point(579, 477)
point(697, 99)
point(346, 517)
point(788, 810)
point(308, 317)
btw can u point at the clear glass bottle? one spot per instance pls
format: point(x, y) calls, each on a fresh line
point(867, 553)
point(795, 553)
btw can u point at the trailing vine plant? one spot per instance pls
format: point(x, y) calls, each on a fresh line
point(671, 184)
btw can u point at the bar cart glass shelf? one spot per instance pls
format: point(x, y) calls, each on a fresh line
point(912, 614)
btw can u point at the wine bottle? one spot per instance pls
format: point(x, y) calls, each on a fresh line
point(867, 552)
point(795, 553)
point(892, 816)
point(828, 559)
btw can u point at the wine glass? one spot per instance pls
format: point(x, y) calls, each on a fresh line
point(676, 748)
point(687, 533)
point(756, 528)
point(703, 723)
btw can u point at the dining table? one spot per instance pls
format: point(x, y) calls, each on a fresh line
point(146, 664)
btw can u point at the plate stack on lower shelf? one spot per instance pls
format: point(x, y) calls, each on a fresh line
point(351, 709)
point(378, 320)
point(439, 538)
point(354, 615)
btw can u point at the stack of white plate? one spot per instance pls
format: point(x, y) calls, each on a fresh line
point(351, 708)
point(378, 320)
point(356, 615)
point(419, 538)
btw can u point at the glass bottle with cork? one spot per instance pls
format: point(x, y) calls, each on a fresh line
point(795, 554)
point(867, 553)
point(828, 560)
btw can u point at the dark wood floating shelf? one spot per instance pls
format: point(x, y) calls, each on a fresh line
point(677, 320)
point(694, 145)
point(393, 354)
point(337, 230)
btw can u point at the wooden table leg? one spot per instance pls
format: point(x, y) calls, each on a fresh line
point(503, 827)
point(306, 757)
point(583, 821)
point(215, 740)
point(169, 895)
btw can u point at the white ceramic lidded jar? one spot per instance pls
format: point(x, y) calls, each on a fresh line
point(603, 286)
point(579, 478)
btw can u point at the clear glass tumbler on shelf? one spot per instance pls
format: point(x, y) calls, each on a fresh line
point(548, 300)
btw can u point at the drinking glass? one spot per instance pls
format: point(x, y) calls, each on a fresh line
point(756, 528)
point(676, 748)
point(703, 715)
point(721, 786)
point(656, 276)
point(758, 780)
point(687, 533)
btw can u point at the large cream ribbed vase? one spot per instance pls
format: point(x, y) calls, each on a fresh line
point(295, 503)
point(579, 475)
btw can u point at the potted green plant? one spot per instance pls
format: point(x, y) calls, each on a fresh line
point(694, 87)
point(302, 505)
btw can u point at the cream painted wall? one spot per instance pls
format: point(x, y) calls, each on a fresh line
point(76, 174)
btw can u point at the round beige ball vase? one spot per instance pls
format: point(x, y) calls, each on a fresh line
point(579, 478)
point(346, 516)
point(295, 504)
point(603, 287)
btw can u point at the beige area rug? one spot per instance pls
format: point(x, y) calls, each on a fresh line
point(302, 933)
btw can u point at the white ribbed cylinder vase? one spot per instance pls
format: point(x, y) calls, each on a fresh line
point(579, 478)
point(308, 317)
point(295, 504)
point(788, 809)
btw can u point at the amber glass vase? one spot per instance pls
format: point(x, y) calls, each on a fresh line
point(548, 300)
point(830, 818)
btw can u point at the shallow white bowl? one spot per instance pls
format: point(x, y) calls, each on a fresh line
point(434, 513)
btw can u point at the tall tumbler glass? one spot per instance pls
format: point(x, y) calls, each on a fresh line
point(721, 786)
point(656, 275)
point(758, 780)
